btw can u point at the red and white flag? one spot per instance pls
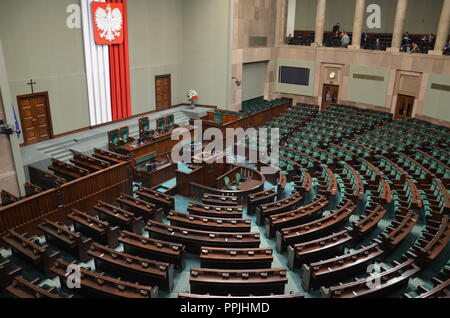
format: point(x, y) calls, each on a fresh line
point(105, 34)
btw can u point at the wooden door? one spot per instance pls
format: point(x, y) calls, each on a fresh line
point(163, 92)
point(34, 110)
point(330, 95)
point(405, 106)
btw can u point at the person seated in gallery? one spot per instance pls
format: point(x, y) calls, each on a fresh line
point(414, 48)
point(336, 28)
point(447, 48)
point(345, 40)
point(377, 45)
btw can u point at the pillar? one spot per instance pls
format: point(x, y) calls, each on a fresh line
point(320, 22)
point(442, 33)
point(358, 24)
point(400, 15)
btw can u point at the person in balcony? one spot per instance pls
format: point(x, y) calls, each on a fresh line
point(377, 45)
point(336, 28)
point(447, 48)
point(414, 48)
point(345, 41)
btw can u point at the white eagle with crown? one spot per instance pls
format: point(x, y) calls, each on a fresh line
point(109, 22)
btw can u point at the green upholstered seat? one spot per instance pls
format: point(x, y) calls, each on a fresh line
point(218, 117)
point(161, 123)
point(170, 121)
point(113, 136)
point(144, 125)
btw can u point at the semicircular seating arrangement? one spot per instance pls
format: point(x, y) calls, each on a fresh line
point(358, 206)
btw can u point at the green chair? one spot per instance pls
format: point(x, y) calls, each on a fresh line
point(161, 123)
point(170, 121)
point(125, 137)
point(218, 117)
point(239, 178)
point(144, 126)
point(228, 184)
point(113, 139)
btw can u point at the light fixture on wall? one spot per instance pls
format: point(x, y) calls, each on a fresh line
point(236, 81)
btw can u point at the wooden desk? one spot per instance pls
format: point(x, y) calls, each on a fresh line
point(162, 144)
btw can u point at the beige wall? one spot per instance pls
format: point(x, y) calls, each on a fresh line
point(368, 91)
point(12, 176)
point(156, 47)
point(38, 45)
point(437, 102)
point(253, 79)
point(254, 18)
point(206, 51)
point(305, 14)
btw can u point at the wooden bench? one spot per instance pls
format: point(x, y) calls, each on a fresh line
point(207, 223)
point(239, 258)
point(195, 239)
point(287, 204)
point(67, 171)
point(367, 223)
point(7, 198)
point(99, 285)
point(302, 215)
point(399, 229)
point(318, 249)
point(63, 237)
point(32, 253)
point(315, 229)
point(133, 268)
point(162, 251)
point(111, 157)
point(390, 280)
point(99, 230)
point(238, 282)
point(119, 217)
point(433, 241)
point(31, 189)
point(214, 199)
point(45, 180)
point(22, 288)
point(441, 289)
point(215, 211)
point(87, 162)
point(260, 198)
point(147, 210)
point(329, 271)
point(165, 201)
point(7, 273)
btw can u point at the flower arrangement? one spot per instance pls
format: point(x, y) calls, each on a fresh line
point(192, 95)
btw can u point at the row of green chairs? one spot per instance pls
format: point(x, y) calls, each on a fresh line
point(119, 137)
point(232, 186)
point(165, 123)
point(341, 153)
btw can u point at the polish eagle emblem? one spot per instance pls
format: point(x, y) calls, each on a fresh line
point(109, 22)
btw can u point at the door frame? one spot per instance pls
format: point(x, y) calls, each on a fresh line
point(170, 89)
point(48, 111)
point(397, 106)
point(323, 92)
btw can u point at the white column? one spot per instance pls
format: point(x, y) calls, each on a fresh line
point(358, 24)
point(290, 24)
point(442, 33)
point(320, 22)
point(399, 24)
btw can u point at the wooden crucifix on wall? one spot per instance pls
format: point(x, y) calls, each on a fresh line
point(31, 83)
